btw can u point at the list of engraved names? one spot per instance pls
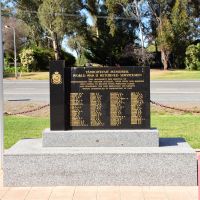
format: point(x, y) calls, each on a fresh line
point(110, 98)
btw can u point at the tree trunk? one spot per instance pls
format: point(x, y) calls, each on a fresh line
point(56, 46)
point(156, 46)
point(164, 58)
point(97, 32)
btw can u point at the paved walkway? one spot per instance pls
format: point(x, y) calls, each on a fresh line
point(97, 193)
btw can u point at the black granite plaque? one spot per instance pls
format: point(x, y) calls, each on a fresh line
point(58, 108)
point(106, 98)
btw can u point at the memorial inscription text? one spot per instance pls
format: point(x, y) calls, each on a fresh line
point(110, 97)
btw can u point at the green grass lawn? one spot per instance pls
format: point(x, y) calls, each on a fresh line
point(170, 125)
point(184, 126)
point(17, 128)
point(175, 75)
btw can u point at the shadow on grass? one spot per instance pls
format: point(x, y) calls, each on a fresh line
point(8, 75)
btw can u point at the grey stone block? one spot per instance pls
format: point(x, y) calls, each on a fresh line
point(29, 164)
point(101, 138)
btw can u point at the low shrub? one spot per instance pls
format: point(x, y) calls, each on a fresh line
point(11, 70)
point(27, 59)
point(35, 59)
point(192, 59)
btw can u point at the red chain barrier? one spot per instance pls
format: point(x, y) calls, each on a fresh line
point(153, 102)
point(28, 111)
point(175, 108)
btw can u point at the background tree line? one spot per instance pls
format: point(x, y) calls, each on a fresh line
point(106, 32)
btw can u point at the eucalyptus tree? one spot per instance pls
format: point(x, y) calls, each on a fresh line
point(161, 27)
point(27, 12)
point(136, 11)
point(172, 25)
point(59, 18)
point(93, 7)
point(107, 48)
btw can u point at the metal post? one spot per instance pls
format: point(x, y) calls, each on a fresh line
point(1, 94)
point(15, 52)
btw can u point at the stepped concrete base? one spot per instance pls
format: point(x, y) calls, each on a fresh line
point(29, 164)
point(101, 138)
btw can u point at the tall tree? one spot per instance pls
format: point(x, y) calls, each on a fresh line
point(165, 40)
point(133, 10)
point(181, 24)
point(107, 48)
point(172, 26)
point(59, 18)
point(161, 27)
point(27, 12)
point(93, 7)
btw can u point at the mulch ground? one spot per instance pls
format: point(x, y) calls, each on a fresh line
point(16, 107)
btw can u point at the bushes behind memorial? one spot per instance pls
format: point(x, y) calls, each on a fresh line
point(192, 59)
point(37, 58)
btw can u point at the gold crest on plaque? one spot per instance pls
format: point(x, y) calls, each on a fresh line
point(56, 78)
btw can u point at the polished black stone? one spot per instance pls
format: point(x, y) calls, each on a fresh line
point(100, 98)
point(57, 96)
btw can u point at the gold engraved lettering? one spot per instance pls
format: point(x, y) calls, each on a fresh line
point(96, 109)
point(117, 104)
point(79, 75)
point(76, 110)
point(137, 101)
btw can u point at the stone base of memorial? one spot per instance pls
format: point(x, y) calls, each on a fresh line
point(100, 134)
point(29, 164)
point(101, 138)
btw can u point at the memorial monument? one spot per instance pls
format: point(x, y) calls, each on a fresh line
point(100, 134)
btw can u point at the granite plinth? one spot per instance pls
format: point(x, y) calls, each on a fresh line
point(101, 138)
point(29, 164)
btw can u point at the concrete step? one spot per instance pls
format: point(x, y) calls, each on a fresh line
point(29, 164)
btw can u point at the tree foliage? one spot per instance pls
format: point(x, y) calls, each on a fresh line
point(173, 23)
point(105, 31)
point(27, 12)
point(21, 31)
point(181, 24)
point(106, 48)
point(58, 19)
point(192, 60)
point(27, 59)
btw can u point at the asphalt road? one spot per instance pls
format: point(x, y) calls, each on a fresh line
point(172, 92)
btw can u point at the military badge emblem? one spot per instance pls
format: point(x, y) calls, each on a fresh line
point(56, 78)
